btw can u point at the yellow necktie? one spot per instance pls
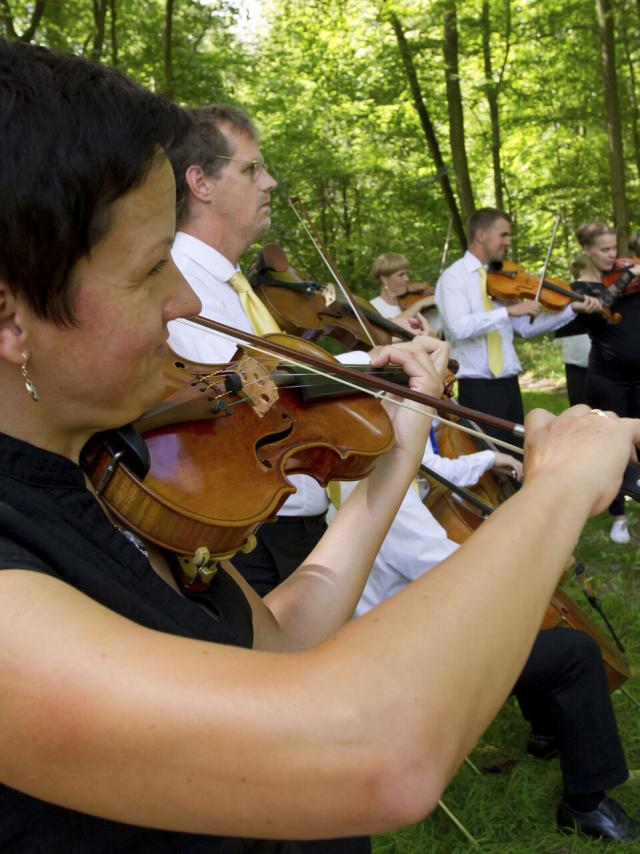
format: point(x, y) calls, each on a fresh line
point(257, 312)
point(494, 341)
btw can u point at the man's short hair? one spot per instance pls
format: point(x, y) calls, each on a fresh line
point(483, 219)
point(206, 145)
point(75, 136)
point(387, 264)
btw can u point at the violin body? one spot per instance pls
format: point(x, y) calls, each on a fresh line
point(509, 281)
point(460, 519)
point(414, 293)
point(310, 310)
point(622, 265)
point(563, 612)
point(218, 468)
point(493, 487)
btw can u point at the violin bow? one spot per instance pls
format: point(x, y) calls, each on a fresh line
point(543, 274)
point(340, 373)
point(295, 202)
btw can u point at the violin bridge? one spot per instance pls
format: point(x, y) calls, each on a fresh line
point(329, 294)
point(258, 388)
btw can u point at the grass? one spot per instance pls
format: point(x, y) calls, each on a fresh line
point(514, 812)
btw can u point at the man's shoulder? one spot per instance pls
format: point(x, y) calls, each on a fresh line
point(195, 258)
point(457, 272)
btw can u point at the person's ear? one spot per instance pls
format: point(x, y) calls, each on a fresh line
point(13, 338)
point(199, 184)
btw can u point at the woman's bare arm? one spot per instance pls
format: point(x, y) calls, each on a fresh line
point(357, 735)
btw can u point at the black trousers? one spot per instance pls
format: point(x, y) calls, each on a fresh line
point(500, 397)
point(563, 691)
point(621, 396)
point(282, 546)
point(576, 383)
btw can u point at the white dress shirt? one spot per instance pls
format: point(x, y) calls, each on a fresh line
point(466, 322)
point(208, 272)
point(463, 471)
point(416, 542)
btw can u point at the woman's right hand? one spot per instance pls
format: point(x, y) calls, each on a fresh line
point(590, 447)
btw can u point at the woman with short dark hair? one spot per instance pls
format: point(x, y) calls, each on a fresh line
point(134, 719)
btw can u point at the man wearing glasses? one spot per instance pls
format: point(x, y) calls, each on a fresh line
point(223, 192)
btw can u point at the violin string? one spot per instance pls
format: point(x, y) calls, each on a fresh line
point(408, 405)
point(380, 395)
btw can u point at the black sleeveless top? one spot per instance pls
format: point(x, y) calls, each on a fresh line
point(50, 523)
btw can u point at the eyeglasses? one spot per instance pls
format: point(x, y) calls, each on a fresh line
point(255, 167)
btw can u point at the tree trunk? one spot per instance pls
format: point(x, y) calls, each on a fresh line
point(428, 129)
point(168, 49)
point(612, 112)
point(99, 18)
point(114, 31)
point(456, 114)
point(633, 100)
point(7, 17)
point(492, 89)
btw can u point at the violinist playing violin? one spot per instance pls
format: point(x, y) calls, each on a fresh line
point(223, 207)
point(391, 271)
point(613, 372)
point(132, 718)
point(481, 331)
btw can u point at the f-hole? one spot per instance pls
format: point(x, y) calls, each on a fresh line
point(272, 439)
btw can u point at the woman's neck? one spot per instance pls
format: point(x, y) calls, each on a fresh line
point(388, 296)
point(591, 273)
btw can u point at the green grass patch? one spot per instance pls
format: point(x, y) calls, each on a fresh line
point(514, 812)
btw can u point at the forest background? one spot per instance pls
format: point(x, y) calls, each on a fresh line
point(391, 120)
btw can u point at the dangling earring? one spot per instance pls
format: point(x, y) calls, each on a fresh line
point(31, 389)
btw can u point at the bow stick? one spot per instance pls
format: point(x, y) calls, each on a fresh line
point(321, 249)
point(340, 372)
point(546, 262)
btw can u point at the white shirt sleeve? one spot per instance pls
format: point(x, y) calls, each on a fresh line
point(462, 471)
point(460, 316)
point(547, 321)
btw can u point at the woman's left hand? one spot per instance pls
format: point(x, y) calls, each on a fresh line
point(590, 305)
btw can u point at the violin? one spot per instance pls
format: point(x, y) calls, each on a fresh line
point(415, 291)
point(218, 419)
point(221, 445)
point(620, 279)
point(493, 487)
point(460, 516)
point(507, 280)
point(311, 310)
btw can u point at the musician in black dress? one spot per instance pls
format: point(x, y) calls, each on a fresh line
point(613, 374)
